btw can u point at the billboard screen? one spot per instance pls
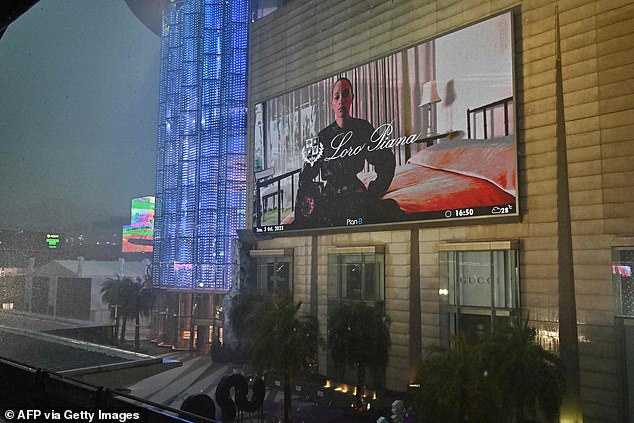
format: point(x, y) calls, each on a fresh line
point(426, 133)
point(138, 236)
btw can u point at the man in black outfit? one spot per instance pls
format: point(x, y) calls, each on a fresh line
point(346, 147)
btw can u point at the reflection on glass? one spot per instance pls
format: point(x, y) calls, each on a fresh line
point(479, 291)
point(370, 280)
point(353, 281)
point(474, 327)
point(481, 278)
point(622, 263)
point(274, 274)
point(356, 277)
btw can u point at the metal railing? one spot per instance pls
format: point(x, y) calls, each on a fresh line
point(27, 388)
point(279, 193)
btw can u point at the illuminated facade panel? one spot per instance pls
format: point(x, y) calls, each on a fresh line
point(201, 160)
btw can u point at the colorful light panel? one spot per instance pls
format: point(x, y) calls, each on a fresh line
point(138, 236)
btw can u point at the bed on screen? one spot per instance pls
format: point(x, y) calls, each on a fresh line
point(455, 174)
point(452, 174)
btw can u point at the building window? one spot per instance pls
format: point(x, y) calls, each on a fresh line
point(275, 274)
point(261, 8)
point(622, 263)
point(623, 283)
point(356, 277)
point(355, 274)
point(479, 289)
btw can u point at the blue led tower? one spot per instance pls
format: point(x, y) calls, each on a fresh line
point(201, 157)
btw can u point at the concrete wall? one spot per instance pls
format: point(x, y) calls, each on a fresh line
point(308, 40)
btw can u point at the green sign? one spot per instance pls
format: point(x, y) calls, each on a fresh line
point(52, 240)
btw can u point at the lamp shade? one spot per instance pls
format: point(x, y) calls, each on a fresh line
point(430, 93)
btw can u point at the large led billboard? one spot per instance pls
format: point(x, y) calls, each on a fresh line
point(138, 236)
point(426, 133)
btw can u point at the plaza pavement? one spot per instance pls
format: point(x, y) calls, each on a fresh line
point(200, 375)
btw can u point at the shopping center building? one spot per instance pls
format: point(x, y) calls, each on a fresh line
point(505, 132)
point(498, 159)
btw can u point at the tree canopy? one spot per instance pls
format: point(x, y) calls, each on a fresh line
point(359, 337)
point(502, 379)
point(279, 338)
point(132, 297)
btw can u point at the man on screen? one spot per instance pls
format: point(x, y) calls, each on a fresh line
point(344, 199)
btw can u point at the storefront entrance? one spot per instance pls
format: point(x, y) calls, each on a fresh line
point(188, 321)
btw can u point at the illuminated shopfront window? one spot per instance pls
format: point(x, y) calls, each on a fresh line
point(479, 289)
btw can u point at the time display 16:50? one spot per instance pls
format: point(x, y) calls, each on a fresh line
point(463, 212)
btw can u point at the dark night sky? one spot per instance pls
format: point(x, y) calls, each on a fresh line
point(78, 114)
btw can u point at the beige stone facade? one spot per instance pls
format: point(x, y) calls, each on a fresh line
point(305, 41)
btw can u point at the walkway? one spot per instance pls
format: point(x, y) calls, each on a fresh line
point(199, 374)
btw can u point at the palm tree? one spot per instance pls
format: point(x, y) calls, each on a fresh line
point(280, 339)
point(499, 380)
point(359, 337)
point(133, 298)
point(452, 385)
point(114, 293)
point(529, 376)
point(140, 303)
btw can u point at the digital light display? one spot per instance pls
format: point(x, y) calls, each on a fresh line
point(427, 133)
point(138, 236)
point(201, 150)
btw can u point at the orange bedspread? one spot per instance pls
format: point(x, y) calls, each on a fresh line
point(418, 189)
point(456, 174)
